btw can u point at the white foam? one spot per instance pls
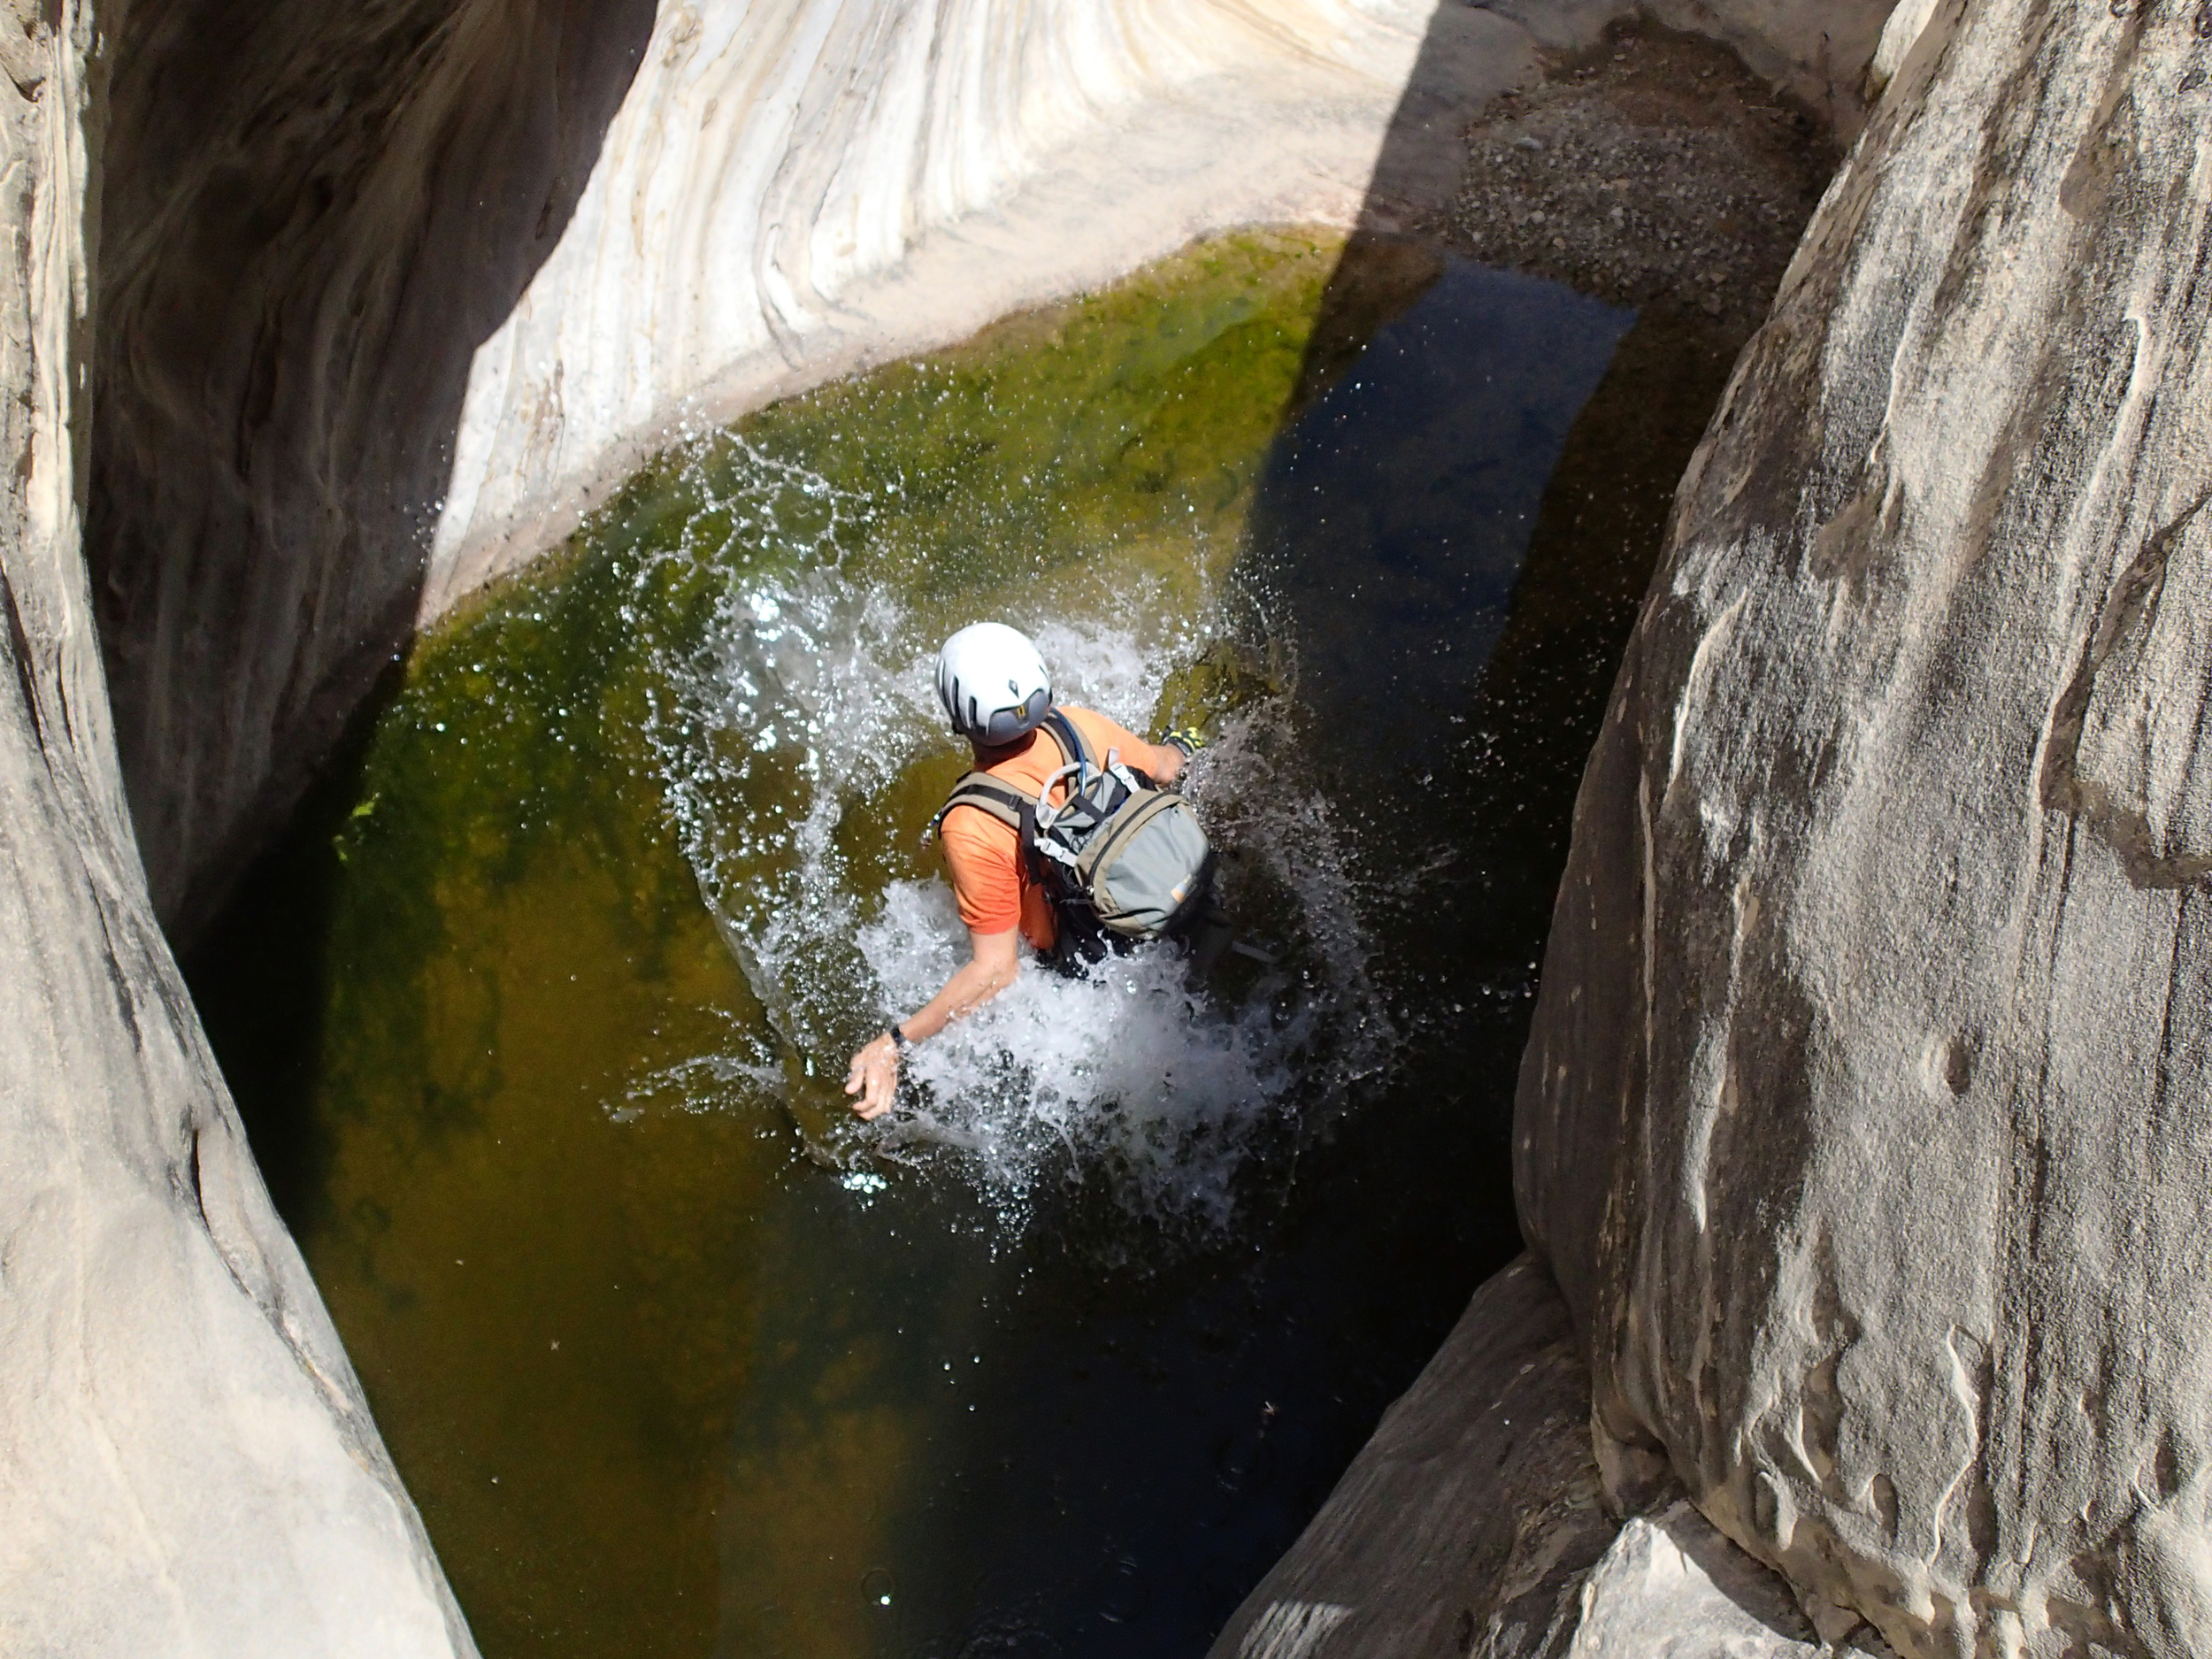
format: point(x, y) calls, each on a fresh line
point(1126, 1070)
point(814, 692)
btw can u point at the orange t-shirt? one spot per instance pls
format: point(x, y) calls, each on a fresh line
point(990, 877)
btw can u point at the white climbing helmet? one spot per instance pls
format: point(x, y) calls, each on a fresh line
point(993, 684)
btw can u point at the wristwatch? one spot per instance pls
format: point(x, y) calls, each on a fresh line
point(899, 1040)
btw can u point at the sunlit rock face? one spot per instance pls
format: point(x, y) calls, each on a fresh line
point(390, 293)
point(186, 1463)
point(1866, 1125)
point(797, 187)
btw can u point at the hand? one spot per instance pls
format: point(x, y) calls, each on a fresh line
point(1171, 755)
point(874, 1077)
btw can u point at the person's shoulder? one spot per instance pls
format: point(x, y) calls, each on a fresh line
point(966, 828)
point(1104, 731)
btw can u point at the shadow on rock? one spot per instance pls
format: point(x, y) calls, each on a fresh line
point(312, 218)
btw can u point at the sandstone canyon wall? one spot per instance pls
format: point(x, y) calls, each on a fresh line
point(793, 192)
point(391, 293)
point(1475, 1526)
point(1866, 1120)
point(1864, 1128)
point(186, 1465)
point(313, 215)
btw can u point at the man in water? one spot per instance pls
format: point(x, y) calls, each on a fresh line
point(995, 688)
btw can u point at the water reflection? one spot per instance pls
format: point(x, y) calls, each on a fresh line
point(674, 1360)
point(1394, 515)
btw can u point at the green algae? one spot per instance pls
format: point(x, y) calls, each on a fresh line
point(1060, 451)
point(496, 956)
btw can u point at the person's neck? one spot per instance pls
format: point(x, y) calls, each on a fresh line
point(989, 755)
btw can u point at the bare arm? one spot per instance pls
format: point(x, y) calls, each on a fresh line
point(993, 962)
point(1162, 763)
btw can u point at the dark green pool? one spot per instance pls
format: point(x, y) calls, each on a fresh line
point(537, 1020)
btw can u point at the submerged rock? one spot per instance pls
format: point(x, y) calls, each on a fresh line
point(1866, 1119)
point(186, 1463)
point(1468, 1522)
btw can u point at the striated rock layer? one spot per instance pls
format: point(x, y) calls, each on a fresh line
point(186, 1463)
point(797, 190)
point(391, 292)
point(1866, 1122)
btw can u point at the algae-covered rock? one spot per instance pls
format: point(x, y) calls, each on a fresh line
point(1866, 1119)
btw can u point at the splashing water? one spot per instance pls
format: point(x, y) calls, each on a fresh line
point(553, 996)
point(1125, 1066)
point(809, 701)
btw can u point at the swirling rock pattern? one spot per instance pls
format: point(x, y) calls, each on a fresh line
point(1866, 1124)
point(797, 188)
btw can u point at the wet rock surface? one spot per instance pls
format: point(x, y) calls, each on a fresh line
point(1865, 1119)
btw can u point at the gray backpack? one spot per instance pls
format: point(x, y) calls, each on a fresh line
point(1120, 858)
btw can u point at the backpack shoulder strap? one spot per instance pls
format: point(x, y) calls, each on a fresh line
point(978, 789)
point(1070, 737)
point(1008, 805)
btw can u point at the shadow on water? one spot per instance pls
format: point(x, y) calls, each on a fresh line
point(1140, 1444)
point(1450, 543)
point(261, 977)
point(664, 1384)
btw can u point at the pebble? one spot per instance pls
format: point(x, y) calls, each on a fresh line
point(1604, 153)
